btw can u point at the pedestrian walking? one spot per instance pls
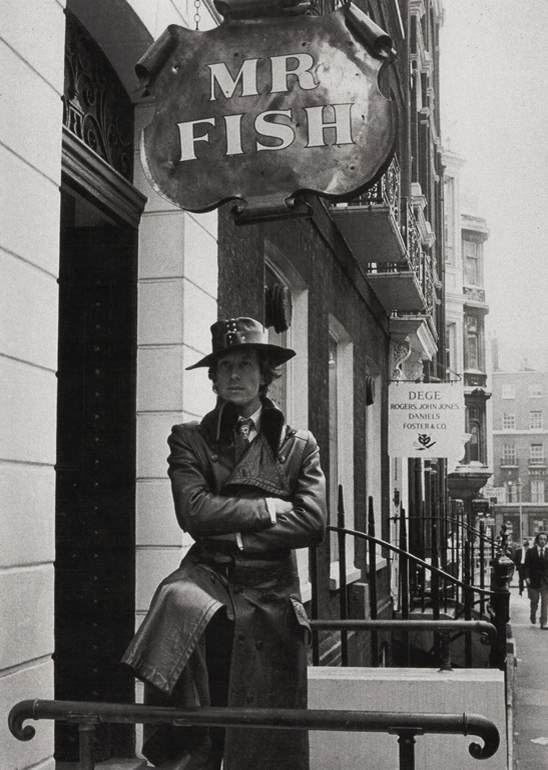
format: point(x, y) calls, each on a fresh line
point(519, 560)
point(536, 578)
point(228, 626)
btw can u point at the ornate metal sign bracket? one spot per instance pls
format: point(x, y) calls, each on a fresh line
point(266, 208)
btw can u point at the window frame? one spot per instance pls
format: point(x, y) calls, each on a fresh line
point(343, 465)
point(509, 453)
point(536, 454)
point(296, 369)
point(538, 491)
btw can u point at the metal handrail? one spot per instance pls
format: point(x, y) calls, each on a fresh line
point(406, 726)
point(415, 559)
point(463, 525)
point(444, 628)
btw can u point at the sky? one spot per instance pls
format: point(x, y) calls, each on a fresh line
point(494, 108)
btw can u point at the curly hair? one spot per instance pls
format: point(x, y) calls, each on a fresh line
point(267, 366)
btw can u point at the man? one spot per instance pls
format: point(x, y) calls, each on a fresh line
point(536, 578)
point(519, 560)
point(228, 627)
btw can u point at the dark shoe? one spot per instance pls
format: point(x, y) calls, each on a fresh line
point(533, 619)
point(544, 628)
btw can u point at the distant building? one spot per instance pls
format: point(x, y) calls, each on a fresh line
point(466, 308)
point(520, 441)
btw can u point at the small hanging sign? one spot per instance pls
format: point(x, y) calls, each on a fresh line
point(426, 420)
point(270, 103)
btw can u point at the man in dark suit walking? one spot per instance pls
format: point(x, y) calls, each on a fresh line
point(536, 578)
point(519, 560)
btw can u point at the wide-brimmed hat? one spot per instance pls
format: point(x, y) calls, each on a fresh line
point(240, 333)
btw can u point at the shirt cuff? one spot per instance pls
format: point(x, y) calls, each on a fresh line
point(271, 508)
point(239, 541)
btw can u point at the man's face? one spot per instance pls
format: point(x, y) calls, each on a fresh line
point(238, 380)
point(542, 540)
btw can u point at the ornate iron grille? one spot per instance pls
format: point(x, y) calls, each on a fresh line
point(96, 108)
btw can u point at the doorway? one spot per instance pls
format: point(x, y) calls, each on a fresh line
point(95, 481)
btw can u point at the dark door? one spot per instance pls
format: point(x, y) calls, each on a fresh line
point(95, 493)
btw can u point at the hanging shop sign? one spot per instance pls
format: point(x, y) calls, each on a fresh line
point(426, 420)
point(266, 106)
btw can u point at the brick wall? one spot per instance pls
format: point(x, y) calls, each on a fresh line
point(317, 252)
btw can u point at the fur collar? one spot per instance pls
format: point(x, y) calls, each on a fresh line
point(219, 423)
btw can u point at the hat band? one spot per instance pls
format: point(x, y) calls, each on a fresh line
point(241, 338)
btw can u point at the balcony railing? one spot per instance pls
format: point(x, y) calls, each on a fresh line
point(385, 192)
point(474, 294)
point(475, 380)
point(371, 222)
point(382, 231)
point(410, 284)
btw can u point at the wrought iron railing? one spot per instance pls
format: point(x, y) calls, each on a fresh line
point(435, 594)
point(442, 628)
point(406, 726)
point(385, 192)
point(416, 259)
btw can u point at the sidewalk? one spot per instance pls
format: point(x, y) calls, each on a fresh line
point(531, 686)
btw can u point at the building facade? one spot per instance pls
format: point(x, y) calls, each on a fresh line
point(466, 310)
point(109, 293)
point(520, 447)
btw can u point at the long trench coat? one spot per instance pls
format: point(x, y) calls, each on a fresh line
point(256, 582)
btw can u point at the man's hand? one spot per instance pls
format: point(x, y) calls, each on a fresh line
point(282, 506)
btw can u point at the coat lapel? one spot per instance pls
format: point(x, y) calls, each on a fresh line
point(259, 468)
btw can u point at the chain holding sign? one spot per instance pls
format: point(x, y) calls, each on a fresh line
point(267, 106)
point(426, 420)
